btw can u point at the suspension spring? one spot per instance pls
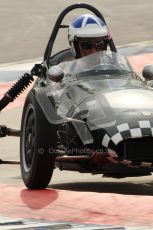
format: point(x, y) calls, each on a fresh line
point(16, 90)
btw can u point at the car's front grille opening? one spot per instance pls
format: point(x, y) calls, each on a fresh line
point(137, 150)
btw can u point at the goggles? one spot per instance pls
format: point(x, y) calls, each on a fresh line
point(99, 45)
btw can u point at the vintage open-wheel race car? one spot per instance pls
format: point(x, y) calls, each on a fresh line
point(92, 115)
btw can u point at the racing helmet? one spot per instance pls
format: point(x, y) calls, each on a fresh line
point(83, 30)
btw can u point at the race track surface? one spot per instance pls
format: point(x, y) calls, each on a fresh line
point(77, 207)
point(72, 200)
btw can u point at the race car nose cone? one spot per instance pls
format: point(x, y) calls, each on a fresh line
point(130, 98)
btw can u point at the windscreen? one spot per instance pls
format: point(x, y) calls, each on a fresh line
point(103, 61)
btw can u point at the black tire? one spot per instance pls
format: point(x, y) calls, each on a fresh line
point(37, 142)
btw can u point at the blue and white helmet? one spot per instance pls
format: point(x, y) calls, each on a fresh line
point(86, 26)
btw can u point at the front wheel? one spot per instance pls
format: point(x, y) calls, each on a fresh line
point(38, 139)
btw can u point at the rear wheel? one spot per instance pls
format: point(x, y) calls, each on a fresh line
point(37, 142)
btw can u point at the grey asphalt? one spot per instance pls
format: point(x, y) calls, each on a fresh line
point(25, 26)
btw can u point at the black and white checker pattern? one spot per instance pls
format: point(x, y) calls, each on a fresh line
point(123, 131)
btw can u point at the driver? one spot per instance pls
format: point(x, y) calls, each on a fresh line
point(87, 34)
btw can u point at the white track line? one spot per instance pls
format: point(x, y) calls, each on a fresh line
point(145, 43)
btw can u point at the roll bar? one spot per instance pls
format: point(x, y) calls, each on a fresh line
point(57, 25)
